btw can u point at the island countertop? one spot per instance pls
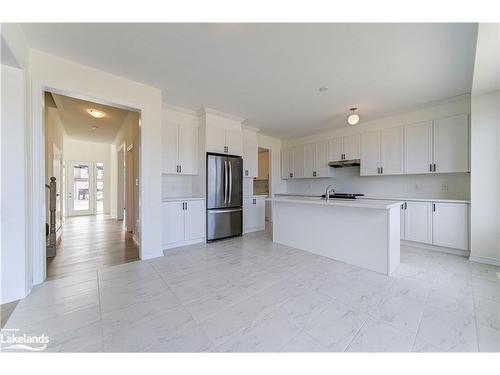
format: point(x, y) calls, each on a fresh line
point(356, 203)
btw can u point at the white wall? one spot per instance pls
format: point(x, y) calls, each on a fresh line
point(13, 257)
point(485, 178)
point(70, 78)
point(452, 186)
point(485, 147)
point(97, 152)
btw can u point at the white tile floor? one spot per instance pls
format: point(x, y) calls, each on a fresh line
point(251, 295)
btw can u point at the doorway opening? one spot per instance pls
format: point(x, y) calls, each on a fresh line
point(85, 144)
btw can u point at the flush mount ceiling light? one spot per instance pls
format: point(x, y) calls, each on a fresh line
point(95, 113)
point(353, 118)
point(95, 127)
point(322, 89)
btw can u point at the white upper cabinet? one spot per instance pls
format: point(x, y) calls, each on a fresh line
point(418, 148)
point(310, 160)
point(322, 168)
point(450, 225)
point(391, 151)
point(451, 144)
point(344, 148)
point(188, 150)
point(439, 146)
point(370, 153)
point(351, 145)
point(223, 134)
point(298, 162)
point(286, 163)
point(382, 152)
point(250, 154)
point(169, 148)
point(215, 138)
point(179, 148)
point(234, 142)
point(418, 222)
point(335, 150)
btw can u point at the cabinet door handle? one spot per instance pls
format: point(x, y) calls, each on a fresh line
point(434, 207)
point(434, 167)
point(406, 206)
point(186, 205)
point(314, 174)
point(180, 168)
point(430, 167)
point(381, 170)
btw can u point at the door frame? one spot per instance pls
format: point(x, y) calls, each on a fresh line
point(92, 189)
point(36, 253)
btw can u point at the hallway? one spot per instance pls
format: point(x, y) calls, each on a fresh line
point(89, 243)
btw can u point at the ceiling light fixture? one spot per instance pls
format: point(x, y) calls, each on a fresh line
point(95, 127)
point(95, 113)
point(353, 118)
point(323, 88)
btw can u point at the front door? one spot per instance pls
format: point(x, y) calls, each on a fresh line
point(81, 188)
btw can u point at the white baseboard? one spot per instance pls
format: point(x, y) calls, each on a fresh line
point(183, 243)
point(448, 250)
point(254, 230)
point(485, 260)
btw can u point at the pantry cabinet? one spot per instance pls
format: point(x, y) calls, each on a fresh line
point(179, 149)
point(183, 222)
point(253, 214)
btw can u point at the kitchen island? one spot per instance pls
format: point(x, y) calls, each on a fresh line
point(361, 232)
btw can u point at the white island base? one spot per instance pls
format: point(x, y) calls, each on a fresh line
point(362, 233)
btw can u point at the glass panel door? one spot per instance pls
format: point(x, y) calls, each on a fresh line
point(80, 188)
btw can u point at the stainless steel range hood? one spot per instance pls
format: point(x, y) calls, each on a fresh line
point(345, 163)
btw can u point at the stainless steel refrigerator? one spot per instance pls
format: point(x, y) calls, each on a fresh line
point(224, 196)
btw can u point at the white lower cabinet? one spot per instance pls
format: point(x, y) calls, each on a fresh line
point(183, 223)
point(436, 223)
point(449, 225)
point(254, 214)
point(418, 222)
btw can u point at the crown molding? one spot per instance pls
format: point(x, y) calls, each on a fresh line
point(205, 110)
point(185, 110)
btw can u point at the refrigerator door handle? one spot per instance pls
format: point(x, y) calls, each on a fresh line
point(223, 211)
point(230, 183)
point(225, 181)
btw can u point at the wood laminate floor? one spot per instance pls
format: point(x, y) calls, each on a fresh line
point(89, 243)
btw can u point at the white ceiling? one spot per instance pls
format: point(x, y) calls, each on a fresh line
point(78, 123)
point(270, 73)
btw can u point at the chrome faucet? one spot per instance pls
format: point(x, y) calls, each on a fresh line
point(329, 189)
